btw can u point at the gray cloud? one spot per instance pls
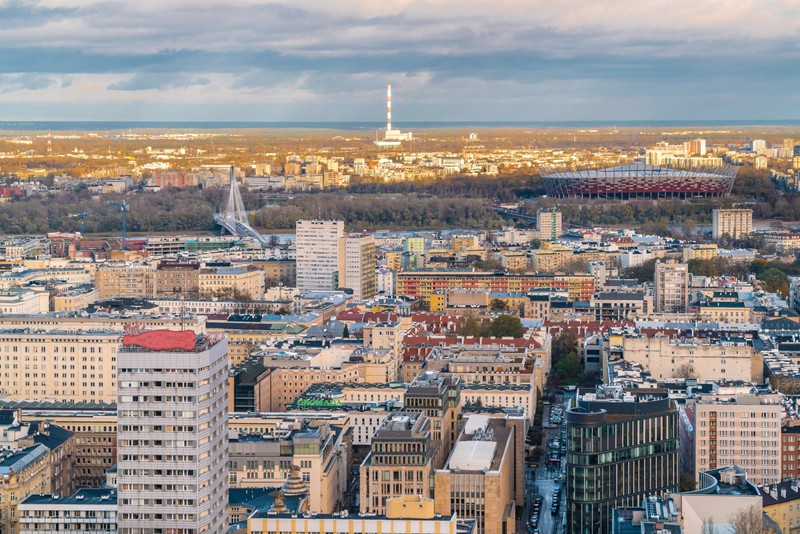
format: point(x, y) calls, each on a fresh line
point(468, 59)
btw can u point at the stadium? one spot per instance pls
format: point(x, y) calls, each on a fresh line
point(638, 180)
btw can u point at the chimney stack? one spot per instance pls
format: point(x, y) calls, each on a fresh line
point(388, 107)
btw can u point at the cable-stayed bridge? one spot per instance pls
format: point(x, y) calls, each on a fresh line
point(233, 217)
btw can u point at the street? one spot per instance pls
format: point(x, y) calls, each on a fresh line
point(544, 480)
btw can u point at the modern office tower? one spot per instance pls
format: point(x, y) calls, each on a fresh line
point(357, 265)
point(318, 254)
point(622, 445)
point(478, 482)
point(743, 430)
point(400, 462)
point(172, 433)
point(672, 287)
point(439, 398)
point(548, 223)
point(757, 144)
point(734, 223)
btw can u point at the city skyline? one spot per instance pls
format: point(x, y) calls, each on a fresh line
point(68, 60)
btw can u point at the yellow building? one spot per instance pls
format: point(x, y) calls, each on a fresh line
point(421, 284)
point(393, 259)
point(24, 472)
point(781, 502)
point(514, 260)
point(75, 299)
point(550, 260)
point(700, 252)
point(244, 282)
point(438, 301)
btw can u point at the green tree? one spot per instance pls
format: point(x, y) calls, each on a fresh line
point(506, 326)
point(346, 332)
point(568, 368)
point(566, 342)
point(498, 305)
point(471, 327)
point(687, 482)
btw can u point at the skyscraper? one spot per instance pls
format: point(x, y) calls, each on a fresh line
point(548, 223)
point(172, 433)
point(622, 445)
point(318, 254)
point(357, 265)
point(672, 287)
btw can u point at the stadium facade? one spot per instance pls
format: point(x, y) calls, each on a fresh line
point(638, 180)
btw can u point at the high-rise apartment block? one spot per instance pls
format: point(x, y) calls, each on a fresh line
point(743, 430)
point(318, 254)
point(548, 223)
point(622, 446)
point(357, 265)
point(672, 287)
point(734, 223)
point(172, 433)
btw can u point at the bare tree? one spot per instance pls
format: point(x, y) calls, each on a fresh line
point(747, 520)
point(709, 527)
point(684, 371)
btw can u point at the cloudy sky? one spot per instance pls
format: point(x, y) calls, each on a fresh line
point(329, 60)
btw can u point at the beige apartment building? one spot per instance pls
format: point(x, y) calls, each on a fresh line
point(278, 272)
point(59, 322)
point(177, 279)
point(666, 358)
point(58, 365)
point(126, 280)
point(548, 223)
point(734, 223)
point(400, 462)
point(478, 481)
point(243, 282)
point(743, 430)
point(357, 265)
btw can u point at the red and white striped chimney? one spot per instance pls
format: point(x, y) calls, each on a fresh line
point(389, 106)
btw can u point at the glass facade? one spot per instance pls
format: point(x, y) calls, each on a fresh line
point(617, 455)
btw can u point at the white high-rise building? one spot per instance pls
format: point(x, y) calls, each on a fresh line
point(172, 433)
point(318, 254)
point(757, 144)
point(357, 265)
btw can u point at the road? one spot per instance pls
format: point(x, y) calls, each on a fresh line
point(542, 482)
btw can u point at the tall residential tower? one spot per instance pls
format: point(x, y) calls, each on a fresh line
point(172, 441)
